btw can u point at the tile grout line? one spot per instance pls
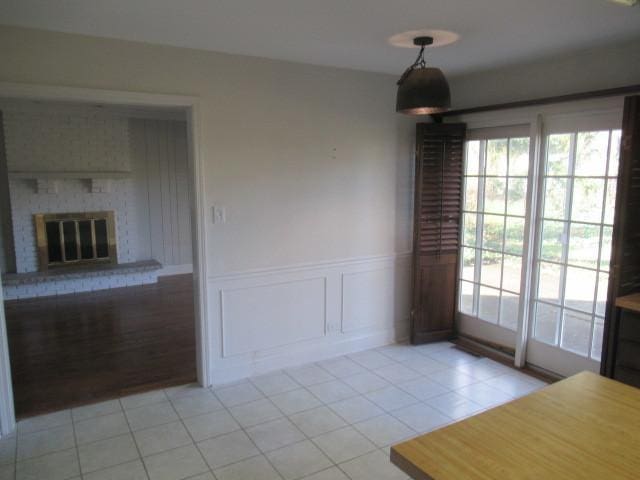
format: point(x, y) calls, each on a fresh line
point(261, 453)
point(15, 458)
point(75, 446)
point(135, 442)
point(307, 389)
point(195, 444)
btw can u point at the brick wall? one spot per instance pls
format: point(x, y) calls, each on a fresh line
point(52, 142)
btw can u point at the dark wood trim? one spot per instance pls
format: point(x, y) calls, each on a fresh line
point(499, 353)
point(511, 352)
point(481, 348)
point(609, 92)
point(624, 275)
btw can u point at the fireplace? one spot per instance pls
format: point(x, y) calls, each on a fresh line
point(70, 239)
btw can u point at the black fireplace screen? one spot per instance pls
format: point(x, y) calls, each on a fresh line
point(71, 238)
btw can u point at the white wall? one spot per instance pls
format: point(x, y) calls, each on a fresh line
point(574, 72)
point(311, 163)
point(162, 192)
point(313, 167)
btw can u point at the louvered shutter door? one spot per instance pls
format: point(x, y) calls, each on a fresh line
point(438, 191)
point(624, 277)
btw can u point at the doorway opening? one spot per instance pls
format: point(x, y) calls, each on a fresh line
point(109, 305)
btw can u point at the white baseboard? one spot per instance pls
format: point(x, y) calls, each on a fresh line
point(270, 319)
point(168, 270)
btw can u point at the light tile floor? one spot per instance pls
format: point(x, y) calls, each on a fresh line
point(332, 420)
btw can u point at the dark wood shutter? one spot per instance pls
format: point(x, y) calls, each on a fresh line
point(625, 257)
point(438, 196)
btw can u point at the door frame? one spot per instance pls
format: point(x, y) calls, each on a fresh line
point(191, 106)
point(535, 117)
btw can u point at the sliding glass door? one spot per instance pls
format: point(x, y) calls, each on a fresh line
point(536, 241)
point(573, 249)
point(495, 192)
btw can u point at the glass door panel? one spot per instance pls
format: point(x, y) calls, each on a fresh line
point(493, 223)
point(573, 252)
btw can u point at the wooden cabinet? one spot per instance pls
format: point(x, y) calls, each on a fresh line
point(625, 358)
point(438, 194)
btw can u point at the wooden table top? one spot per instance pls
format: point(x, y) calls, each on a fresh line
point(629, 302)
point(584, 427)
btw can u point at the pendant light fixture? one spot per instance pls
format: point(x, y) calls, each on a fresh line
point(422, 90)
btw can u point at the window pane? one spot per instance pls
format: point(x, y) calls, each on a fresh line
point(614, 154)
point(550, 275)
point(469, 228)
point(555, 195)
point(591, 154)
point(494, 191)
point(519, 156)
point(102, 244)
point(576, 330)
point(466, 298)
point(517, 196)
point(497, 157)
point(596, 344)
point(610, 202)
point(514, 235)
point(558, 147)
point(472, 158)
point(546, 323)
point(491, 270)
point(511, 273)
point(601, 299)
point(509, 305)
point(551, 246)
point(471, 194)
point(86, 243)
point(584, 243)
point(492, 232)
point(70, 243)
point(53, 242)
point(580, 289)
point(605, 249)
point(468, 263)
point(587, 200)
point(488, 308)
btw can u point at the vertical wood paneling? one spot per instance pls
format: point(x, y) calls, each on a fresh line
point(141, 193)
point(159, 148)
point(183, 196)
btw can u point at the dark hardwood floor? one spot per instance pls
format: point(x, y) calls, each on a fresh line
point(81, 348)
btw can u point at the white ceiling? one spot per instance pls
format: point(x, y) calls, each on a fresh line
point(344, 33)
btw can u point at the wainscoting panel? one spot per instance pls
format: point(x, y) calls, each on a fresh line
point(371, 297)
point(265, 316)
point(265, 320)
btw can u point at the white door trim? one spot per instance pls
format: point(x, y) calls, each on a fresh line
point(198, 208)
point(7, 414)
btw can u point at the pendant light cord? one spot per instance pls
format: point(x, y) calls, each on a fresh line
point(420, 62)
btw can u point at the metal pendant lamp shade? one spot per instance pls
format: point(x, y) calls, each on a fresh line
point(422, 90)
